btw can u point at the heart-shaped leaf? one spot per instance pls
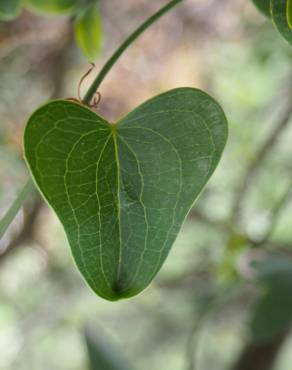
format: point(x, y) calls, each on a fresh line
point(9, 9)
point(280, 17)
point(122, 191)
point(263, 6)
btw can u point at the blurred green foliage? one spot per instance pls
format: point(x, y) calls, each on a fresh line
point(9, 9)
point(52, 7)
point(86, 15)
point(273, 311)
point(88, 32)
point(102, 354)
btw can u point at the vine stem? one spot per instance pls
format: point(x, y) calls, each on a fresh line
point(15, 207)
point(29, 186)
point(116, 55)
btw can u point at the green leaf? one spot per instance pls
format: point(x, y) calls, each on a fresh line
point(122, 191)
point(279, 15)
point(273, 311)
point(9, 9)
point(289, 13)
point(102, 354)
point(52, 6)
point(15, 207)
point(88, 32)
point(263, 6)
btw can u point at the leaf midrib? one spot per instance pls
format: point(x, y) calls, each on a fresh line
point(114, 136)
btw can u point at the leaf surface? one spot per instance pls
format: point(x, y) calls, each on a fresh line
point(88, 32)
point(263, 6)
point(9, 9)
point(122, 191)
point(280, 18)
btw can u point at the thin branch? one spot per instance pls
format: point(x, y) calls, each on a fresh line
point(226, 227)
point(192, 341)
point(27, 230)
point(15, 207)
point(274, 215)
point(256, 164)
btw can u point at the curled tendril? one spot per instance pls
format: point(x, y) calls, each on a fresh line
point(97, 96)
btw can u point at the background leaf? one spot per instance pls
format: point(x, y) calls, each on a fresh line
point(88, 32)
point(9, 9)
point(263, 6)
point(52, 6)
point(279, 15)
point(289, 13)
point(102, 354)
point(273, 312)
point(123, 191)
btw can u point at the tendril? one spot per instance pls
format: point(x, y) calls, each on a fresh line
point(97, 96)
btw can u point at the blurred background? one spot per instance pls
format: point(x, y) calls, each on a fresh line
point(223, 299)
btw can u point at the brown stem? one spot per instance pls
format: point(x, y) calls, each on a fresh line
point(259, 356)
